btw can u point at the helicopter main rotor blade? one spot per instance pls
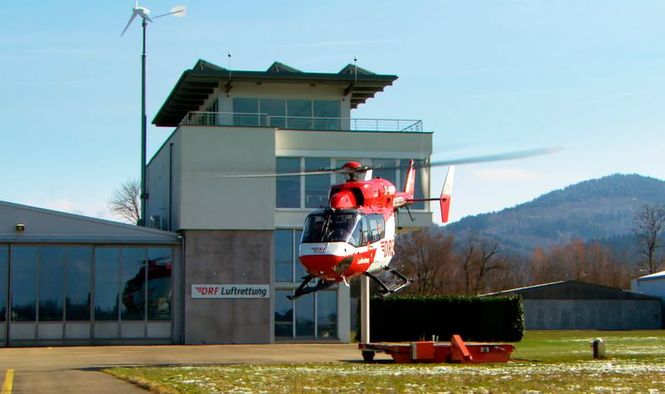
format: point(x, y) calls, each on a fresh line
point(523, 154)
point(281, 174)
point(343, 170)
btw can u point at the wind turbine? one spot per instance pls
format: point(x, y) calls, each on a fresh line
point(144, 13)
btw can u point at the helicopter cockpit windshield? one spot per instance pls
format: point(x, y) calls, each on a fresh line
point(333, 226)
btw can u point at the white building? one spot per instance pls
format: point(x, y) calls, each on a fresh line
point(246, 231)
point(653, 285)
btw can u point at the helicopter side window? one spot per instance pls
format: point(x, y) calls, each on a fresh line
point(359, 234)
point(376, 228)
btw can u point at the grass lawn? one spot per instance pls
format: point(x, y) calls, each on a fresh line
point(545, 361)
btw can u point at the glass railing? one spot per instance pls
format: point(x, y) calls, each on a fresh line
point(197, 118)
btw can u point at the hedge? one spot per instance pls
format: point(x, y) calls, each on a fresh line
point(412, 318)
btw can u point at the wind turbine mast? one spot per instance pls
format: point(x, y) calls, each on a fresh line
point(144, 13)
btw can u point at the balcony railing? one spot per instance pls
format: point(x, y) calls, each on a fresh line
point(198, 118)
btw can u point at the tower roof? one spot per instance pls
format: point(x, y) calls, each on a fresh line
point(198, 83)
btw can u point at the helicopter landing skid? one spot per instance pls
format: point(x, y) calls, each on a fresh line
point(397, 283)
point(304, 289)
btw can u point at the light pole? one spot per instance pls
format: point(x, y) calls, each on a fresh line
point(144, 191)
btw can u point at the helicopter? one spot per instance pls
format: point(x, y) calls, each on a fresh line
point(355, 233)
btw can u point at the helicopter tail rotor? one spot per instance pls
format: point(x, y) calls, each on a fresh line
point(446, 193)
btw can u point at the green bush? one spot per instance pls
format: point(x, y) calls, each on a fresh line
point(411, 318)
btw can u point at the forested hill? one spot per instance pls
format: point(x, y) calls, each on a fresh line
point(599, 209)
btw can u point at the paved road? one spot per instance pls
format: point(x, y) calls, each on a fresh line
point(76, 369)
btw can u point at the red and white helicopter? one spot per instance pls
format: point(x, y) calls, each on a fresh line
point(355, 234)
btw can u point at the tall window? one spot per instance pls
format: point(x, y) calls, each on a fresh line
point(133, 284)
point(24, 283)
point(288, 187)
point(317, 187)
point(79, 279)
point(287, 265)
point(51, 283)
point(107, 280)
point(160, 267)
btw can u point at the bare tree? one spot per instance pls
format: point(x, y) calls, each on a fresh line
point(478, 257)
point(649, 227)
point(125, 201)
point(425, 256)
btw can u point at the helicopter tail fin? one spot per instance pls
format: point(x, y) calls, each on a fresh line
point(446, 193)
point(410, 180)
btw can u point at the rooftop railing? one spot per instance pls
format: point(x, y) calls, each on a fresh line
point(198, 118)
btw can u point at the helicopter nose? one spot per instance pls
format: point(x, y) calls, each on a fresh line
point(326, 266)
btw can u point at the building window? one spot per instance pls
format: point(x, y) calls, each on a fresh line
point(288, 187)
point(246, 112)
point(132, 305)
point(284, 255)
point(24, 283)
point(283, 315)
point(311, 316)
point(326, 314)
point(287, 265)
point(305, 317)
point(160, 271)
point(317, 187)
point(79, 279)
point(51, 283)
point(326, 115)
point(107, 279)
point(275, 109)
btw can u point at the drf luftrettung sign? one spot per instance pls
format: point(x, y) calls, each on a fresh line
point(230, 291)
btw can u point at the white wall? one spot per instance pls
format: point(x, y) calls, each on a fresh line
point(210, 201)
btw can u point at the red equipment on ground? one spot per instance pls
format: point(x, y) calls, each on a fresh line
point(455, 351)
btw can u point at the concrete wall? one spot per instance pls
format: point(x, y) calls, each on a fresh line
point(542, 314)
point(209, 201)
point(228, 257)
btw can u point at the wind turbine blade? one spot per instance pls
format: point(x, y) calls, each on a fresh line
point(129, 23)
point(179, 11)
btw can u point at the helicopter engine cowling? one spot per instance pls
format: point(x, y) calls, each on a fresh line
point(343, 199)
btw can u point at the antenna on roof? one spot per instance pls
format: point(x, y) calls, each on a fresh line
point(355, 69)
point(228, 54)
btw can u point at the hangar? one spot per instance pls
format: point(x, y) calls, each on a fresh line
point(221, 254)
point(73, 280)
point(574, 305)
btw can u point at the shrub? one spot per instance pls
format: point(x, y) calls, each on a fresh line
point(411, 318)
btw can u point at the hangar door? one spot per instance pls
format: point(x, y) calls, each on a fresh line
point(58, 294)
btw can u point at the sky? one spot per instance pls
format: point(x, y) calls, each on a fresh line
point(485, 76)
